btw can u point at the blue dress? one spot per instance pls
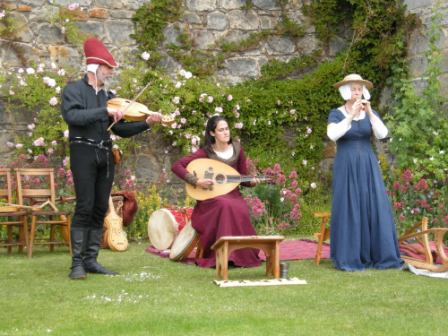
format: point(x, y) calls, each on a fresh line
point(362, 224)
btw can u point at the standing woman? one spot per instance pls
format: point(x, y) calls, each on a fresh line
point(362, 225)
point(226, 215)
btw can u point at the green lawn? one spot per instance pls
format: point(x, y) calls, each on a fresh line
point(154, 296)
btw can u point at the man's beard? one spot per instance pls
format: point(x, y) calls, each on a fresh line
point(105, 80)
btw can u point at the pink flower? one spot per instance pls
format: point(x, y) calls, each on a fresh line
point(281, 179)
point(421, 185)
point(293, 175)
point(398, 205)
point(396, 185)
point(283, 226)
point(294, 184)
point(41, 158)
point(407, 175)
point(73, 6)
point(277, 168)
point(295, 212)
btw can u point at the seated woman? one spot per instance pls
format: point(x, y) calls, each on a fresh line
point(226, 215)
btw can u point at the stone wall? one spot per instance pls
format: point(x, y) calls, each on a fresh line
point(418, 43)
point(207, 21)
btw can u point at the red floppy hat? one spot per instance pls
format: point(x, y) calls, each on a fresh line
point(97, 53)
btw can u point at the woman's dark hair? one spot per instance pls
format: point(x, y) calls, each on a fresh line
point(212, 123)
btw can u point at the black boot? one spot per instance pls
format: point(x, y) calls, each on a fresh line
point(90, 262)
point(77, 238)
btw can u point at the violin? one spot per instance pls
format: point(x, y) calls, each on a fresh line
point(134, 111)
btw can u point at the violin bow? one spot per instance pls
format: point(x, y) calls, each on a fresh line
point(132, 101)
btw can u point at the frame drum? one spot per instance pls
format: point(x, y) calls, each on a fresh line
point(184, 243)
point(162, 229)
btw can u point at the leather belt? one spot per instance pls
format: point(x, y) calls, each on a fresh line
point(103, 144)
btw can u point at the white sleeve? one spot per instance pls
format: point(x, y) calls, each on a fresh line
point(335, 131)
point(379, 129)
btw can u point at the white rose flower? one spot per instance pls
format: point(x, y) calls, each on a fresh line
point(313, 185)
point(53, 101)
point(146, 55)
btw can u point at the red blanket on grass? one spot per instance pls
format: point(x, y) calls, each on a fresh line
point(416, 250)
point(289, 250)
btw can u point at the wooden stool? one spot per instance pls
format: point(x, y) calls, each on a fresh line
point(269, 244)
point(323, 235)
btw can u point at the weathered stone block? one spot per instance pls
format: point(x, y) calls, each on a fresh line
point(336, 45)
point(192, 18)
point(98, 13)
point(280, 45)
point(245, 20)
point(171, 33)
point(268, 22)
point(242, 67)
point(48, 34)
point(64, 55)
point(217, 21)
point(201, 5)
point(414, 4)
point(95, 27)
point(24, 8)
point(111, 4)
point(203, 39)
point(266, 4)
point(121, 14)
point(119, 31)
point(231, 4)
point(33, 3)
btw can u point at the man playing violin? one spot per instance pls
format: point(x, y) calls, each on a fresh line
point(84, 108)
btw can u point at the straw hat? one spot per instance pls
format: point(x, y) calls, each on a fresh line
point(354, 78)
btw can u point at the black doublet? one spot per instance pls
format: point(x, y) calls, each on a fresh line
point(85, 112)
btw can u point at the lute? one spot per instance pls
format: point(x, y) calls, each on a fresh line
point(116, 238)
point(225, 178)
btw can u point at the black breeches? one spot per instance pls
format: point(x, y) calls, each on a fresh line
point(93, 175)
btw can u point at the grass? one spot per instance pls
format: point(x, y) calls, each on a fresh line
point(154, 296)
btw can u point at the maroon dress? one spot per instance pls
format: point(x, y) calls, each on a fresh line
point(226, 215)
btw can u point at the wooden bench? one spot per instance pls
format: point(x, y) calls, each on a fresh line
point(269, 244)
point(323, 235)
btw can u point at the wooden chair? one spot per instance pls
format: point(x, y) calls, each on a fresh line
point(11, 215)
point(323, 235)
point(36, 188)
point(421, 234)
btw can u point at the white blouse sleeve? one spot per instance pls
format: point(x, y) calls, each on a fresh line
point(335, 131)
point(379, 129)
